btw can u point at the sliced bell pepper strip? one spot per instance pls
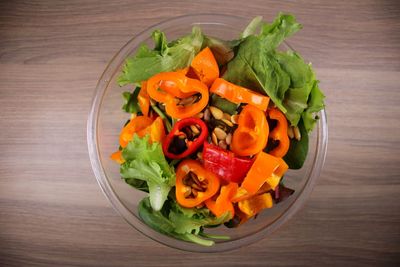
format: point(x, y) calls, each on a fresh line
point(144, 99)
point(279, 133)
point(189, 193)
point(251, 136)
point(191, 145)
point(205, 66)
point(238, 94)
point(135, 125)
point(223, 203)
point(225, 164)
point(176, 85)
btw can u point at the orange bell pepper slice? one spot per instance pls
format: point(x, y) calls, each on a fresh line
point(117, 157)
point(279, 133)
point(135, 125)
point(144, 99)
point(223, 203)
point(238, 94)
point(209, 184)
point(264, 174)
point(165, 87)
point(205, 66)
point(251, 136)
point(155, 130)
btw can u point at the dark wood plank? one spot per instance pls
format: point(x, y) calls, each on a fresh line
point(52, 212)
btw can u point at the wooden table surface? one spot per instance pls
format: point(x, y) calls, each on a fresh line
point(53, 213)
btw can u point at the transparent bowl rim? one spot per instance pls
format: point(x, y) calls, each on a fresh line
point(101, 177)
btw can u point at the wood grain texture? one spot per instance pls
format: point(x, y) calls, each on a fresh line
point(52, 212)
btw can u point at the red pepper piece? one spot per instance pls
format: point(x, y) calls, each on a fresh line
point(192, 145)
point(225, 164)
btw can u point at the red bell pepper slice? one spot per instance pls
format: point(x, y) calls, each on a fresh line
point(192, 145)
point(225, 164)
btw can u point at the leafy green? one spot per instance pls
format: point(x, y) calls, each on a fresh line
point(283, 76)
point(221, 49)
point(130, 101)
point(298, 150)
point(223, 104)
point(164, 57)
point(315, 103)
point(146, 162)
point(181, 223)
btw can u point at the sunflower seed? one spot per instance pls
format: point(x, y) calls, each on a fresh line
point(221, 135)
point(222, 144)
point(226, 116)
point(297, 133)
point(234, 118)
point(214, 139)
point(290, 132)
point(194, 129)
point(199, 115)
point(187, 101)
point(228, 139)
point(207, 114)
point(227, 122)
point(216, 112)
point(200, 155)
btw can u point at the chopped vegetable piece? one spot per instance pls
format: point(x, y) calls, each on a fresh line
point(225, 164)
point(251, 136)
point(175, 85)
point(135, 125)
point(255, 204)
point(238, 94)
point(223, 202)
point(205, 66)
point(265, 169)
point(279, 133)
point(144, 99)
point(189, 146)
point(185, 171)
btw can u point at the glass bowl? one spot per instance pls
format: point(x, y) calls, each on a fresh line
point(106, 119)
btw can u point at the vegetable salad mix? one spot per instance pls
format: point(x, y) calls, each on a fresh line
point(214, 126)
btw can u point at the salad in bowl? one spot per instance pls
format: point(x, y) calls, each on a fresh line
point(214, 127)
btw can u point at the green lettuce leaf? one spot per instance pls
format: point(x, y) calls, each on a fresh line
point(181, 223)
point(255, 65)
point(131, 104)
point(297, 153)
point(283, 76)
point(164, 57)
point(146, 162)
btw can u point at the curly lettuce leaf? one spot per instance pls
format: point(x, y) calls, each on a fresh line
point(164, 57)
point(146, 162)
